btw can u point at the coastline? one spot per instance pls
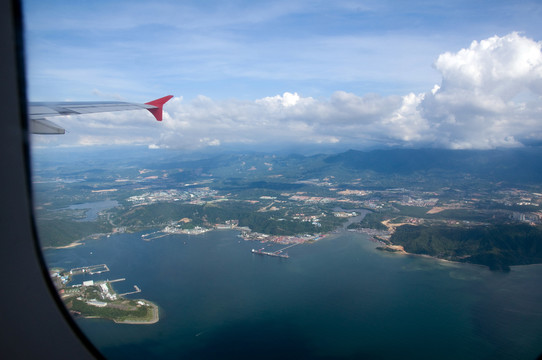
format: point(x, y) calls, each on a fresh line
point(399, 249)
point(153, 320)
point(448, 261)
point(387, 246)
point(155, 317)
point(78, 242)
point(71, 245)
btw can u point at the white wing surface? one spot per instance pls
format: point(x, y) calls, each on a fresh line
point(38, 112)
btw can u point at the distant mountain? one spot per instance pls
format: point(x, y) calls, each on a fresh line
point(384, 167)
point(512, 165)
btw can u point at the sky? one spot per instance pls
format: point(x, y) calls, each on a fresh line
point(291, 74)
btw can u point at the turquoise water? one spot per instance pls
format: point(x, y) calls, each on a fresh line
point(337, 298)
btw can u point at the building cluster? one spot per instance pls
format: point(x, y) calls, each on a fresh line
point(228, 224)
point(313, 219)
point(172, 195)
point(62, 278)
point(106, 294)
point(510, 197)
point(408, 201)
point(532, 217)
point(278, 239)
point(317, 182)
point(348, 192)
point(345, 214)
point(177, 229)
point(373, 204)
point(312, 199)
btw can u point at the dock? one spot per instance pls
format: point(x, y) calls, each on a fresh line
point(287, 247)
point(154, 235)
point(275, 253)
point(116, 280)
point(137, 290)
point(92, 270)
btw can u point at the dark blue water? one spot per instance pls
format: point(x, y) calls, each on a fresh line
point(337, 298)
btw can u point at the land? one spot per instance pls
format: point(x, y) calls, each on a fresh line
point(469, 206)
point(98, 299)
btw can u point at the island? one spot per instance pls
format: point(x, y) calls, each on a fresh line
point(98, 299)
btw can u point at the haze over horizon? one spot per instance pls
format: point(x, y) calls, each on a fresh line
point(347, 74)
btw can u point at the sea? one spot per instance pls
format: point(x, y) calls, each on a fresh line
point(337, 298)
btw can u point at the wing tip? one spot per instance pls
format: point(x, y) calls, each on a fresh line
point(158, 103)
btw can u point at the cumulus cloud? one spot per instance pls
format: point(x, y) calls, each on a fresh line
point(292, 119)
point(489, 96)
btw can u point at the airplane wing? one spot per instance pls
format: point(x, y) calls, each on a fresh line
point(38, 112)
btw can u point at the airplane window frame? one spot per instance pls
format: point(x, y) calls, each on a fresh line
point(35, 323)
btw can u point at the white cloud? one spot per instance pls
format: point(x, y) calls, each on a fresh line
point(501, 66)
point(286, 100)
point(489, 96)
point(291, 118)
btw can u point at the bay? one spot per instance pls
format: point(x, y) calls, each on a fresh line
point(93, 208)
point(336, 298)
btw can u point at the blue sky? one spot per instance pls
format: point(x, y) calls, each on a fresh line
point(310, 73)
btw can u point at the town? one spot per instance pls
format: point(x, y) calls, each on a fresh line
point(266, 198)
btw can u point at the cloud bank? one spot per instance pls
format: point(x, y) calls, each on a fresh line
point(489, 97)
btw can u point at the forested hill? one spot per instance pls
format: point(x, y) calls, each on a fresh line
point(513, 165)
point(497, 246)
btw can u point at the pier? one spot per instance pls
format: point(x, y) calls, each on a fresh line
point(116, 280)
point(137, 290)
point(154, 235)
point(277, 253)
point(287, 247)
point(92, 270)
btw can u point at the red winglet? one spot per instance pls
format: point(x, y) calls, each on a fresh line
point(159, 103)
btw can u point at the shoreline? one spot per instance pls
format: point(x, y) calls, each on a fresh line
point(78, 242)
point(155, 317)
point(153, 320)
point(448, 261)
point(69, 246)
point(399, 249)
